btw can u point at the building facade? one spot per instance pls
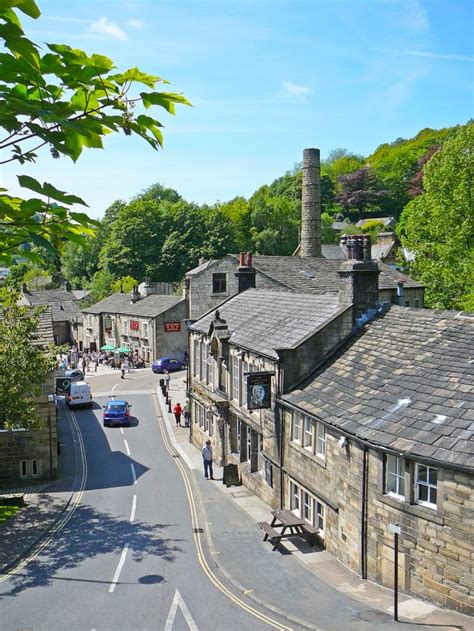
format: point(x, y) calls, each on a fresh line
point(366, 422)
point(27, 456)
point(154, 325)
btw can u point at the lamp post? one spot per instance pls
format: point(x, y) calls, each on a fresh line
point(50, 400)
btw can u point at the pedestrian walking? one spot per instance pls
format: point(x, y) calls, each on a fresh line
point(186, 415)
point(122, 369)
point(207, 459)
point(167, 380)
point(88, 362)
point(177, 411)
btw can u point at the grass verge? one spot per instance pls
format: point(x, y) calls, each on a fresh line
point(6, 512)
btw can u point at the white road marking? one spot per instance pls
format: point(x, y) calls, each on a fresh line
point(116, 385)
point(179, 602)
point(134, 508)
point(127, 447)
point(134, 475)
point(119, 569)
point(121, 430)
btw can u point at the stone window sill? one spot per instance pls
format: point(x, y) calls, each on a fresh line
point(416, 510)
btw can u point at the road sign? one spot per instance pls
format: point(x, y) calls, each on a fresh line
point(395, 529)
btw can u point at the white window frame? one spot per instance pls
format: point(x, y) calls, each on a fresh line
point(23, 468)
point(235, 377)
point(320, 440)
point(225, 279)
point(195, 357)
point(297, 427)
point(125, 327)
point(308, 435)
point(430, 487)
point(307, 506)
point(145, 330)
point(394, 483)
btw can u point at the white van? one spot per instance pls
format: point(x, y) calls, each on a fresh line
point(80, 394)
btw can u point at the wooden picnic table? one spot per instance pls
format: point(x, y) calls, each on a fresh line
point(285, 519)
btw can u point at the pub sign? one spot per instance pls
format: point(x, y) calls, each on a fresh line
point(259, 393)
point(134, 325)
point(172, 327)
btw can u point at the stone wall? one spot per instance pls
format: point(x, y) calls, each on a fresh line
point(19, 445)
point(436, 547)
point(413, 296)
point(201, 298)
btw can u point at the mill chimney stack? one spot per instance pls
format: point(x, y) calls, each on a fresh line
point(311, 204)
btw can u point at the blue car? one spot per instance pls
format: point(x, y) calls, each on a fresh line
point(167, 363)
point(116, 412)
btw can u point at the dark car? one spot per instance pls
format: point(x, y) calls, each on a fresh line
point(167, 363)
point(116, 412)
point(74, 375)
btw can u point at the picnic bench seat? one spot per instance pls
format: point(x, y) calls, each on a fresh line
point(270, 533)
point(313, 535)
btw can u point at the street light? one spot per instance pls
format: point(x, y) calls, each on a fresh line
point(50, 400)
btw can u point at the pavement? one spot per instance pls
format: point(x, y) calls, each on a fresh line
point(222, 510)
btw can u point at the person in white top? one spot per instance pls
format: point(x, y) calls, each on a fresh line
point(207, 459)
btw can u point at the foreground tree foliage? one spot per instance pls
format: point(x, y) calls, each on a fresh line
point(438, 225)
point(62, 100)
point(24, 366)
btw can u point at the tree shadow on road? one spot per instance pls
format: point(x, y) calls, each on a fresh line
point(91, 533)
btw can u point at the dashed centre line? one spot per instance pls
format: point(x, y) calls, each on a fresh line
point(127, 447)
point(119, 569)
point(134, 508)
point(134, 475)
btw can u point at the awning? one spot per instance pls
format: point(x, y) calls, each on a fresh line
point(107, 347)
point(122, 349)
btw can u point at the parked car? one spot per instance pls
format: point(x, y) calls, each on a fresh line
point(167, 363)
point(74, 375)
point(79, 394)
point(116, 412)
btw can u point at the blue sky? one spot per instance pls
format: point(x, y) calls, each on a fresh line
point(267, 78)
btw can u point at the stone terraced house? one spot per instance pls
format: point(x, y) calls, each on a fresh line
point(153, 324)
point(366, 421)
point(31, 456)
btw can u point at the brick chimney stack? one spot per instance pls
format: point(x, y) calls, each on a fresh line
point(311, 205)
point(245, 273)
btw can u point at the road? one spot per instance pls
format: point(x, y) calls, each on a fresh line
point(132, 554)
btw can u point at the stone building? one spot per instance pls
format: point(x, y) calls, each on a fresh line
point(366, 421)
point(65, 308)
point(26, 456)
point(153, 324)
point(214, 281)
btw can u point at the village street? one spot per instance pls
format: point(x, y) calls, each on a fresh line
point(135, 553)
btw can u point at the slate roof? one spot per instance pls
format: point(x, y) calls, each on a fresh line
point(44, 333)
point(64, 305)
point(262, 320)
point(309, 274)
point(386, 221)
point(406, 382)
point(148, 307)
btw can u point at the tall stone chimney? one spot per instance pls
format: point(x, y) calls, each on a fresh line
point(359, 279)
point(311, 205)
point(245, 273)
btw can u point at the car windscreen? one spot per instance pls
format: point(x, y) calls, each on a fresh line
point(115, 407)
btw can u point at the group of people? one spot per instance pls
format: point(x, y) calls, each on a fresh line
point(180, 411)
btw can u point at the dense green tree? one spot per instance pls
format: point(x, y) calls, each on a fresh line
point(438, 225)
point(63, 100)
point(80, 262)
point(24, 366)
point(396, 164)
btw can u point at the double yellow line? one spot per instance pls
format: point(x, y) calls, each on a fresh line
point(69, 512)
point(197, 536)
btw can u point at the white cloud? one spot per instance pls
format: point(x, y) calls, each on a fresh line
point(420, 53)
point(104, 27)
point(134, 23)
point(297, 91)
